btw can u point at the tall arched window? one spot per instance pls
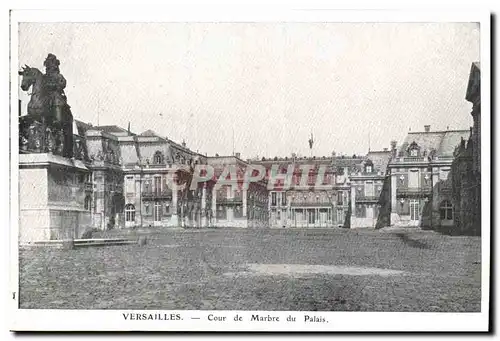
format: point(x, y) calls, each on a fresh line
point(446, 210)
point(129, 212)
point(88, 203)
point(158, 158)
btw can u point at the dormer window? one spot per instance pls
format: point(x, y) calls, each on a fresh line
point(413, 149)
point(158, 158)
point(368, 166)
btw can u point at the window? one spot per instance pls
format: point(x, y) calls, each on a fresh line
point(446, 210)
point(311, 179)
point(129, 184)
point(443, 174)
point(311, 216)
point(283, 199)
point(414, 152)
point(238, 211)
point(88, 203)
point(221, 212)
point(157, 211)
point(414, 209)
point(360, 211)
point(158, 158)
point(369, 189)
point(129, 213)
point(368, 169)
point(146, 208)
point(167, 208)
point(273, 198)
point(340, 198)
point(157, 184)
point(413, 179)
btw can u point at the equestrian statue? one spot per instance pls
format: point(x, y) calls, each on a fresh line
point(48, 127)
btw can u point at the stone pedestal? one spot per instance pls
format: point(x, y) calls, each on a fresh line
point(51, 198)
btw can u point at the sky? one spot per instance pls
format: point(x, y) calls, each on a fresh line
point(263, 87)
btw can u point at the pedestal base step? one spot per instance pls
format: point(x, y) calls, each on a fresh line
point(83, 242)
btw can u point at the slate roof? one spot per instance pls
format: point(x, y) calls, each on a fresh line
point(443, 143)
point(380, 159)
point(340, 161)
point(111, 129)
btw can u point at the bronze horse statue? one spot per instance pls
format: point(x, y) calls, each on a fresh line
point(48, 104)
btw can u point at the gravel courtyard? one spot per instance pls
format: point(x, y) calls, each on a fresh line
point(313, 270)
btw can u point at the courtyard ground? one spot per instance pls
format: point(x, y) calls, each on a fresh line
point(243, 269)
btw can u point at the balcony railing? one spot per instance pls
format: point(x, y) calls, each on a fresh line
point(410, 159)
point(230, 201)
point(409, 191)
point(311, 204)
point(445, 188)
point(165, 194)
point(367, 198)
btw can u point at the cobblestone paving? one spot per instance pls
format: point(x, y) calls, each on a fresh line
point(179, 269)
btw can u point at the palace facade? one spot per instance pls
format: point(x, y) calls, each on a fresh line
point(127, 180)
point(421, 184)
point(368, 187)
point(303, 193)
point(466, 168)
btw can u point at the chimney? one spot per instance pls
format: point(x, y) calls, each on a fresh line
point(427, 128)
point(238, 155)
point(385, 149)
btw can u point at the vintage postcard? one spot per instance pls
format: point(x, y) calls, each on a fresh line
point(205, 170)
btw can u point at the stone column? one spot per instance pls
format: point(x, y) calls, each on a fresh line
point(204, 206)
point(244, 194)
point(353, 201)
point(436, 217)
point(230, 209)
point(394, 202)
point(214, 204)
point(175, 216)
point(100, 200)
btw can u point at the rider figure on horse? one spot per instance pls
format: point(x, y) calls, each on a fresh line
point(54, 86)
point(57, 105)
